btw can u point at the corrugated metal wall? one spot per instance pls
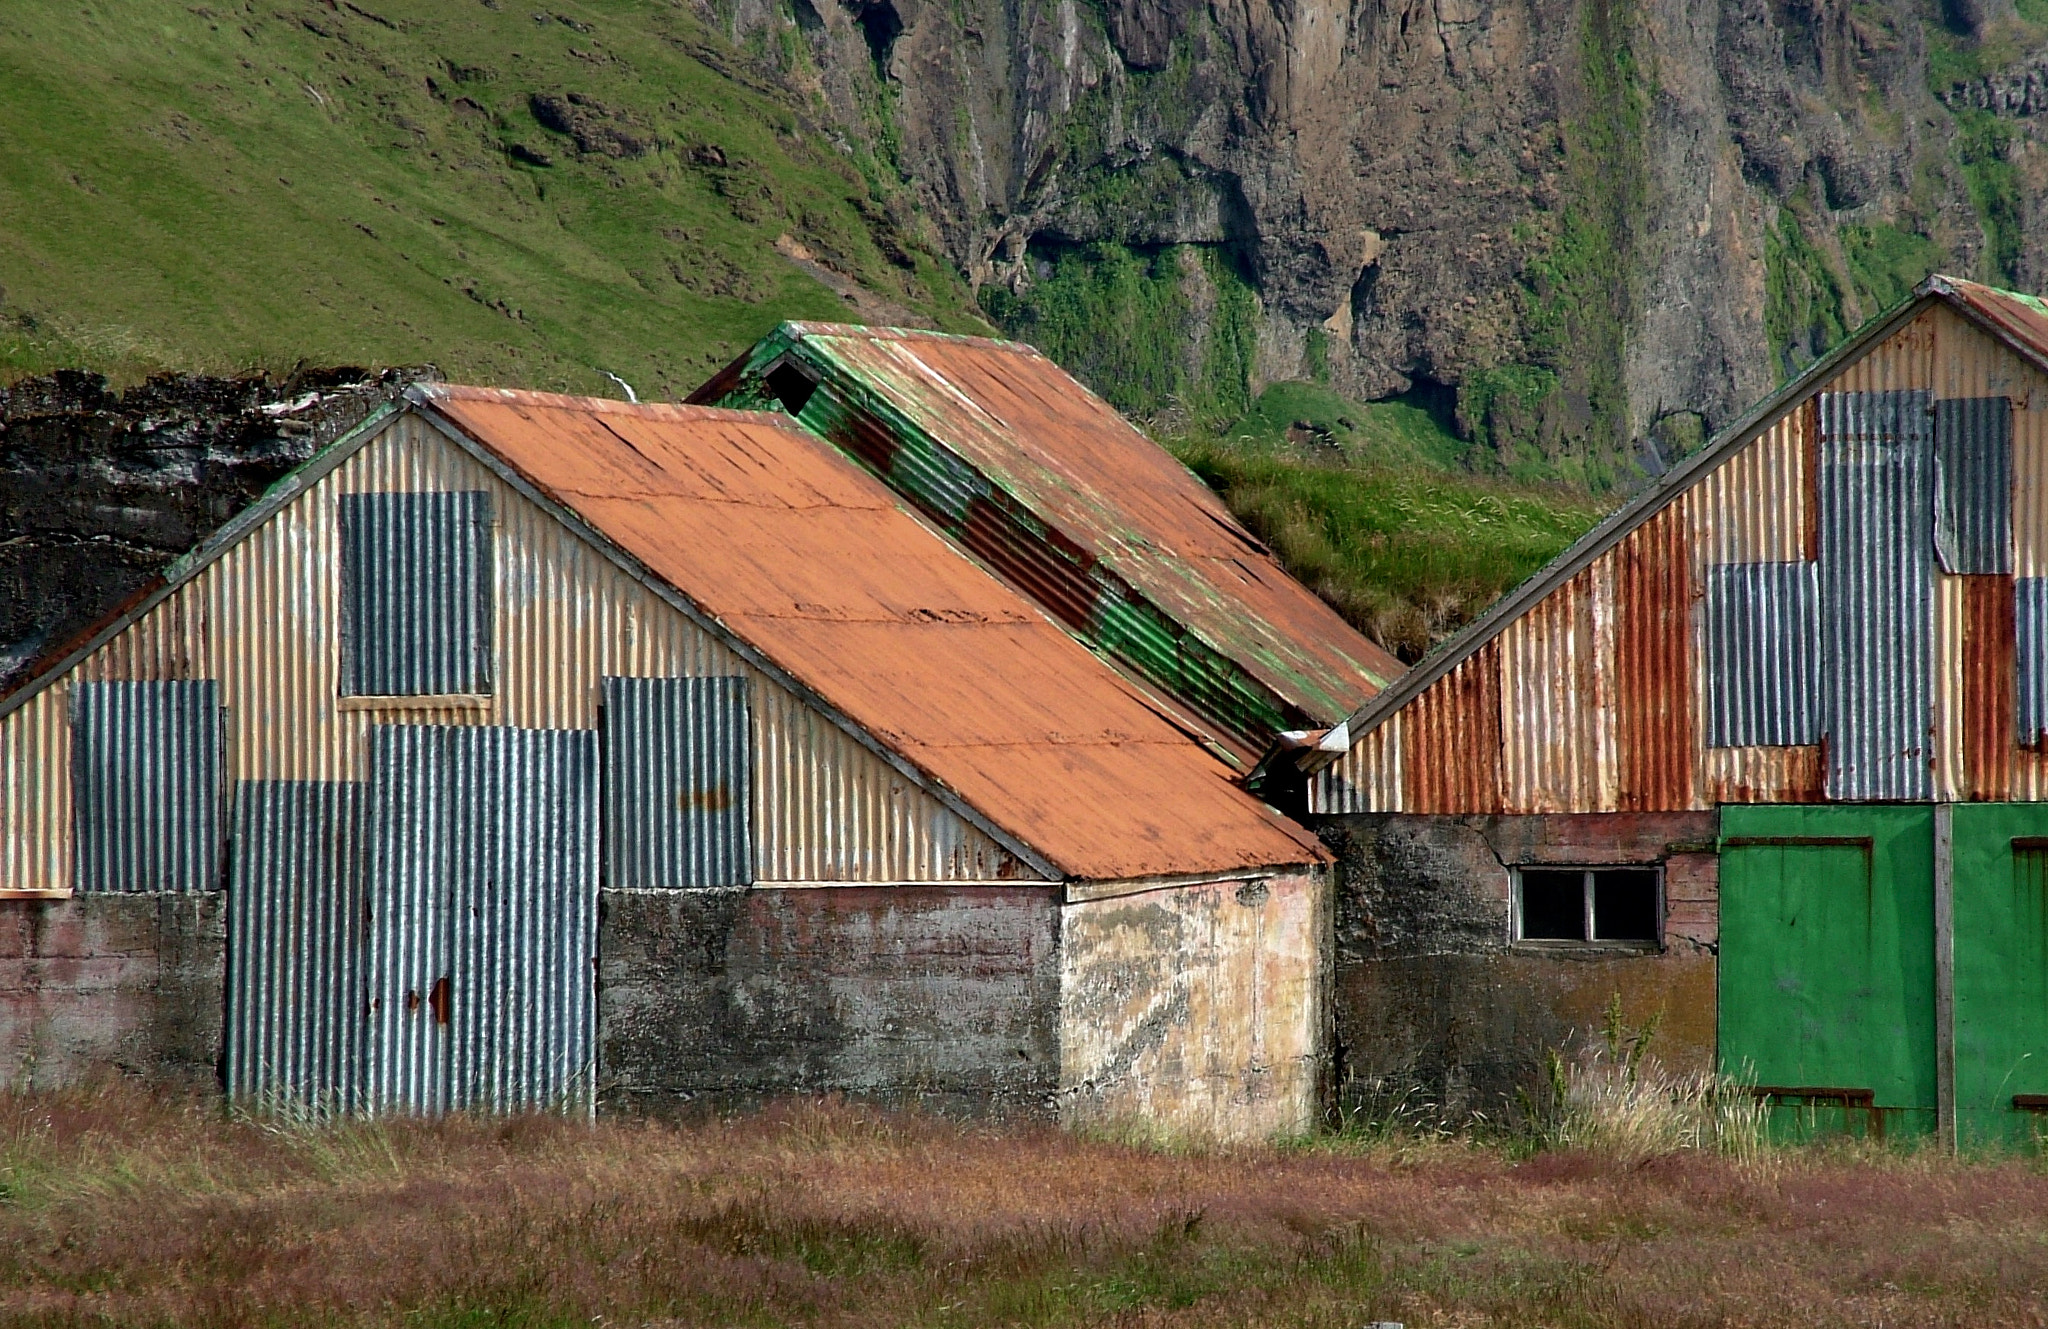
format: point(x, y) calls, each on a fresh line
point(265, 622)
point(146, 780)
point(295, 931)
point(1668, 675)
point(416, 594)
point(678, 758)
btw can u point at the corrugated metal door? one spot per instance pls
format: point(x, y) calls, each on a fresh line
point(146, 782)
point(482, 905)
point(678, 783)
point(1827, 963)
point(295, 921)
point(2001, 970)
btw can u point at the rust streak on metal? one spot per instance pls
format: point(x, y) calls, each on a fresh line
point(1459, 718)
point(1653, 685)
point(1988, 692)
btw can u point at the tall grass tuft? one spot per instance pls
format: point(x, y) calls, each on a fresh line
point(1614, 1098)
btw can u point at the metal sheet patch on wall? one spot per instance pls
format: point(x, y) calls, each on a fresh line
point(1973, 484)
point(146, 781)
point(482, 902)
point(295, 914)
point(1877, 592)
point(2030, 635)
point(678, 783)
point(1763, 654)
point(416, 593)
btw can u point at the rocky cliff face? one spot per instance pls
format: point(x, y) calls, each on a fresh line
point(1597, 229)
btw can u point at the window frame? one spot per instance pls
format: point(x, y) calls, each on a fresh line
point(1586, 942)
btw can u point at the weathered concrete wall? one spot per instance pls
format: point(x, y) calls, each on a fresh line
point(131, 983)
point(1198, 1008)
point(1430, 993)
point(943, 996)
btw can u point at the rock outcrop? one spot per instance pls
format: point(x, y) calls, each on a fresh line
point(1606, 225)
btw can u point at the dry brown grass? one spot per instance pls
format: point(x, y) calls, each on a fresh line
point(126, 1209)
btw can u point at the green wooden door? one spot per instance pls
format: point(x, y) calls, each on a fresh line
point(2001, 955)
point(1827, 963)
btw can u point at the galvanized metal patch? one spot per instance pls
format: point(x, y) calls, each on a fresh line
point(416, 593)
point(1973, 484)
point(1877, 593)
point(678, 783)
point(1763, 655)
point(146, 785)
point(2030, 633)
point(295, 919)
point(482, 908)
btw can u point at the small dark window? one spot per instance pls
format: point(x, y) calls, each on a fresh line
point(1588, 905)
point(1553, 905)
point(791, 386)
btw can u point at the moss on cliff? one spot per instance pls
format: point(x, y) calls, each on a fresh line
point(1804, 312)
point(1162, 331)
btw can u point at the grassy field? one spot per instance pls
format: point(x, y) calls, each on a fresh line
point(124, 1210)
point(520, 197)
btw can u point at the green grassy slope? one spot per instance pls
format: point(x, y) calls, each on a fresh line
point(1384, 512)
point(236, 185)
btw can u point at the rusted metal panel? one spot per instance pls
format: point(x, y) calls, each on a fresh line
point(1762, 629)
point(1756, 506)
point(295, 917)
point(1989, 720)
point(416, 593)
point(1764, 775)
point(1973, 484)
point(1877, 585)
point(481, 886)
point(146, 781)
point(1557, 719)
point(860, 604)
point(1460, 718)
point(1065, 499)
point(1195, 1007)
point(1656, 730)
point(36, 842)
point(678, 783)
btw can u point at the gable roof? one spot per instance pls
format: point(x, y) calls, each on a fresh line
point(1135, 523)
point(808, 567)
point(2018, 321)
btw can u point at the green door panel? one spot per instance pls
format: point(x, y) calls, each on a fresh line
point(1827, 961)
point(2001, 951)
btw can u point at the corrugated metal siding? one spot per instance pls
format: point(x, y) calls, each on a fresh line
point(1657, 731)
point(1557, 726)
point(1973, 484)
point(1463, 717)
point(678, 780)
point(482, 904)
point(265, 622)
point(1762, 624)
point(1877, 587)
point(146, 777)
point(2030, 632)
point(295, 918)
point(416, 593)
point(1989, 718)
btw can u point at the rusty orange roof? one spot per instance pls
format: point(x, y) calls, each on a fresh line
point(1045, 483)
point(812, 562)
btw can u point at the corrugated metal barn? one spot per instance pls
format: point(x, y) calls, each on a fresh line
point(1058, 495)
point(525, 751)
point(1764, 754)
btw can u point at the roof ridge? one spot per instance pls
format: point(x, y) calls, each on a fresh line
point(562, 401)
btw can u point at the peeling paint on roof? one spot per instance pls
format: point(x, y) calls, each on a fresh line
point(1068, 502)
point(795, 551)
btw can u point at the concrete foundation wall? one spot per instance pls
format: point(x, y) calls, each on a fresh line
point(1431, 997)
point(1198, 1008)
point(942, 996)
point(111, 983)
